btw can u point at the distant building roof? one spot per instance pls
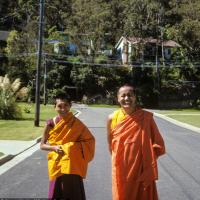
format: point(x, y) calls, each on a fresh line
point(136, 40)
point(171, 43)
point(4, 35)
point(166, 43)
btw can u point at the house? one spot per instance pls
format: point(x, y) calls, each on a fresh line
point(63, 47)
point(134, 49)
point(68, 46)
point(81, 44)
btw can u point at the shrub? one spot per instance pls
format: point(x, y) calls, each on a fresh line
point(9, 92)
point(27, 109)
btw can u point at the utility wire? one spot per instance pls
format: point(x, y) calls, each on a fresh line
point(138, 65)
point(117, 65)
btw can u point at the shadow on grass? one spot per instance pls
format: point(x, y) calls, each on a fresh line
point(29, 119)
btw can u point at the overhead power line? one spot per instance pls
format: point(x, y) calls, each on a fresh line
point(145, 65)
point(117, 65)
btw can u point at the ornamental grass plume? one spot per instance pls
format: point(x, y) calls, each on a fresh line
point(5, 82)
point(22, 93)
point(15, 85)
point(9, 93)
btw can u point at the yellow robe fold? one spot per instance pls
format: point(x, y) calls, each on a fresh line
point(77, 143)
point(136, 145)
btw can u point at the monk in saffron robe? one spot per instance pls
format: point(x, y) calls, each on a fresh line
point(135, 144)
point(71, 147)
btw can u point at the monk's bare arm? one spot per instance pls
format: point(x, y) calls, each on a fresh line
point(157, 139)
point(43, 143)
point(109, 136)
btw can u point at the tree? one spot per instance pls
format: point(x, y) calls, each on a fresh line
point(21, 54)
point(185, 27)
point(92, 25)
point(88, 24)
point(141, 18)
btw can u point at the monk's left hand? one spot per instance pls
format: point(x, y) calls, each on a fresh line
point(59, 150)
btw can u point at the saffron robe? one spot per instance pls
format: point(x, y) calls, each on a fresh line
point(136, 145)
point(78, 146)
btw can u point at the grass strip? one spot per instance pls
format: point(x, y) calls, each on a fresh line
point(188, 116)
point(24, 128)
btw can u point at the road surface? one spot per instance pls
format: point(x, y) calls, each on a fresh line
point(179, 169)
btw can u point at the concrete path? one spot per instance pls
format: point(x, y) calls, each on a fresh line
point(12, 148)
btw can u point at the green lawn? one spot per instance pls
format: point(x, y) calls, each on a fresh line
point(1, 154)
point(24, 129)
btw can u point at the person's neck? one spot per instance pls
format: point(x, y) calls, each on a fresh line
point(129, 111)
point(62, 116)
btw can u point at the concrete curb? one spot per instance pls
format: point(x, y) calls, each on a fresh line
point(5, 159)
point(178, 123)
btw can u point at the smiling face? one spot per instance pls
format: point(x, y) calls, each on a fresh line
point(62, 107)
point(126, 98)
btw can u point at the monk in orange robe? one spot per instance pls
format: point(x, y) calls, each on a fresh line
point(135, 144)
point(71, 147)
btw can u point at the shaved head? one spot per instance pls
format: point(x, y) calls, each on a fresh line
point(126, 86)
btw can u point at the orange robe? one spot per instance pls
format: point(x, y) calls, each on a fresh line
point(136, 145)
point(77, 143)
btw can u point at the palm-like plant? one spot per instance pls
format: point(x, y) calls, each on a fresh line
point(9, 92)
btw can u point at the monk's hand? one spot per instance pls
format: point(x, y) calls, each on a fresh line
point(58, 149)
